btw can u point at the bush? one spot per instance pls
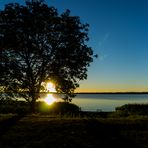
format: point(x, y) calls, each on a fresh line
point(13, 106)
point(58, 108)
point(64, 107)
point(138, 109)
point(22, 107)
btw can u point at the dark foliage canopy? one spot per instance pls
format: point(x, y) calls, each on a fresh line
point(38, 45)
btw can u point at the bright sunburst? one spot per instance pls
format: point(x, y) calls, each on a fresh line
point(50, 87)
point(50, 99)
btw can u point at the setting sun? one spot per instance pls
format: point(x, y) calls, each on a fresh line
point(50, 99)
point(50, 87)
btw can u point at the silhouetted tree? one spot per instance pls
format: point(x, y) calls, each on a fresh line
point(38, 45)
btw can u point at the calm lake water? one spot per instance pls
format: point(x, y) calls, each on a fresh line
point(106, 102)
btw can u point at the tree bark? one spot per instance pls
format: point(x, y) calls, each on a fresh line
point(32, 106)
point(33, 103)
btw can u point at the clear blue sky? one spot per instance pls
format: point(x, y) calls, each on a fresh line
point(119, 35)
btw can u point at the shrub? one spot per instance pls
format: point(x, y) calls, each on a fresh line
point(58, 108)
point(139, 109)
point(22, 107)
point(64, 107)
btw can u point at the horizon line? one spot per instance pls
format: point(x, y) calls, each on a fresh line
point(118, 92)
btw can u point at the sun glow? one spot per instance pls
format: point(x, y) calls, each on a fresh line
point(50, 99)
point(50, 87)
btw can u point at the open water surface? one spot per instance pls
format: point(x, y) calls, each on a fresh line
point(106, 102)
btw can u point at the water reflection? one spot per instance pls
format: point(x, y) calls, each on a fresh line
point(108, 102)
point(50, 99)
point(104, 102)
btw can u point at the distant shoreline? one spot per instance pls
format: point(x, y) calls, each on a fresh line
point(111, 93)
point(86, 93)
point(100, 93)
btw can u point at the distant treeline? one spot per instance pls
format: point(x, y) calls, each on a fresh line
point(111, 93)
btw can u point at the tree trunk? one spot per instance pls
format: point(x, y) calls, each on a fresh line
point(33, 103)
point(32, 106)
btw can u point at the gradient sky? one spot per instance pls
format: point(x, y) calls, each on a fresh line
point(119, 35)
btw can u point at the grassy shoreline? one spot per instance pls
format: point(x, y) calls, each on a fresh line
point(66, 132)
point(65, 126)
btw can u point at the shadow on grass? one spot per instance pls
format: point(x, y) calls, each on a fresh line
point(105, 136)
point(65, 133)
point(6, 124)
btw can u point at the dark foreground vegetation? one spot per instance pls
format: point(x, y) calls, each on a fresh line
point(63, 125)
point(22, 107)
point(66, 108)
point(36, 131)
point(127, 109)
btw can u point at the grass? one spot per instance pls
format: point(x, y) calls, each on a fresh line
point(44, 131)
